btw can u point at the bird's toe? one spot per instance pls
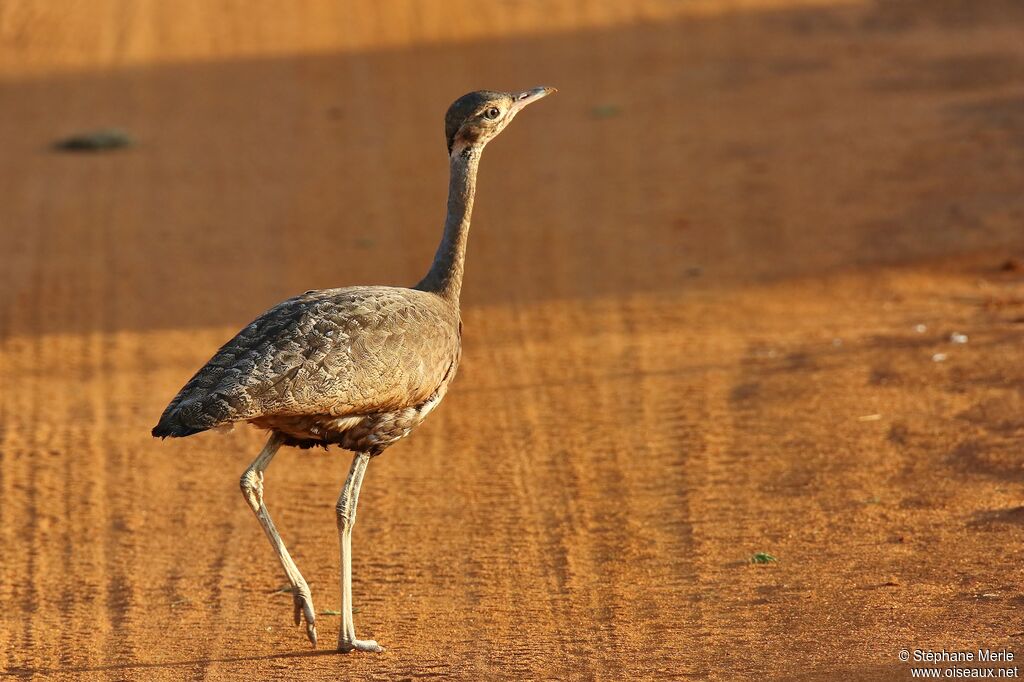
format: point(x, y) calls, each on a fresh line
point(361, 645)
point(304, 609)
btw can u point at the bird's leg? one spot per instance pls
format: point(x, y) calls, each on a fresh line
point(346, 510)
point(252, 489)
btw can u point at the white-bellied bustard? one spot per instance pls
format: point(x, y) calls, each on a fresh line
point(358, 367)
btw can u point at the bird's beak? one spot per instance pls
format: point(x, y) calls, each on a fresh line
point(530, 96)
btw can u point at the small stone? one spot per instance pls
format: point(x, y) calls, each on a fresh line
point(605, 111)
point(105, 139)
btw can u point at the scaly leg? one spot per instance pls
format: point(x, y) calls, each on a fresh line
point(346, 510)
point(252, 489)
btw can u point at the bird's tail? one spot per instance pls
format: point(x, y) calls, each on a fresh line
point(165, 430)
point(176, 424)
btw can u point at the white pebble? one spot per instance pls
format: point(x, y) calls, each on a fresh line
point(939, 357)
point(957, 337)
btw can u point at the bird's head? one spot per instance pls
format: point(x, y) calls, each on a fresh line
point(476, 118)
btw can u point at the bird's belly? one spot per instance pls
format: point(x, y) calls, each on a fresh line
point(371, 433)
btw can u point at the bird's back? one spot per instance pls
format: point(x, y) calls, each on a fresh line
point(328, 353)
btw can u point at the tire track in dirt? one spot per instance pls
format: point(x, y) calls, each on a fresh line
point(83, 503)
point(20, 410)
point(31, 465)
point(572, 524)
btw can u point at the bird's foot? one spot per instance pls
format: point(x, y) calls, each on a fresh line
point(304, 607)
point(360, 645)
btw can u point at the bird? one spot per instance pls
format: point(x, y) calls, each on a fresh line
point(358, 367)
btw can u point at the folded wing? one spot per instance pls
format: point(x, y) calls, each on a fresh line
point(333, 352)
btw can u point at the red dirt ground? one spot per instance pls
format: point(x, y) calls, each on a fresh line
point(708, 286)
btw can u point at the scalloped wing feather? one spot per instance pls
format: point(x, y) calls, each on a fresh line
point(333, 352)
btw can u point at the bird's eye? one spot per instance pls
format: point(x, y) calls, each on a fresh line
point(492, 113)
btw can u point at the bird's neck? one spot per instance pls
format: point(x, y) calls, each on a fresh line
point(445, 275)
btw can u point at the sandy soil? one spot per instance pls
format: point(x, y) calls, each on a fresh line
point(708, 288)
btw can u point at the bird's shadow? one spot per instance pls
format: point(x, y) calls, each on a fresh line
point(27, 671)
